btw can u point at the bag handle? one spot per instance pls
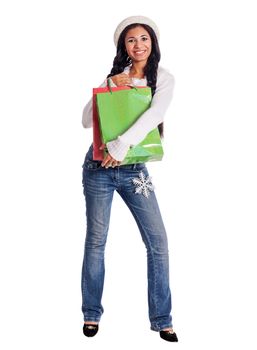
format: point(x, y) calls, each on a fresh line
point(110, 87)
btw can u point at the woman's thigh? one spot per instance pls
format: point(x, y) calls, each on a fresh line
point(98, 190)
point(137, 191)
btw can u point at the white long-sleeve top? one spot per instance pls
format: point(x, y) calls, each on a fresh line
point(149, 120)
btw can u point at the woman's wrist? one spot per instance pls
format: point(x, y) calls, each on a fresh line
point(117, 149)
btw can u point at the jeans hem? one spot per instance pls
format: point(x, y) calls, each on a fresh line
point(91, 319)
point(158, 328)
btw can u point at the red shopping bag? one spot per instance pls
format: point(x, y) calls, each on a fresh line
point(97, 141)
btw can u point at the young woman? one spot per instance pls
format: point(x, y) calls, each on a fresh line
point(136, 62)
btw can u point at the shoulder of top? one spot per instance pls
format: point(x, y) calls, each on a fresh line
point(165, 78)
point(164, 73)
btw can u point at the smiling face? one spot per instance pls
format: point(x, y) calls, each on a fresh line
point(138, 44)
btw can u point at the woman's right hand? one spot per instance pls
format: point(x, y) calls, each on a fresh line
point(121, 79)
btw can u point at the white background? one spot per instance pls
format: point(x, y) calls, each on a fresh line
point(52, 54)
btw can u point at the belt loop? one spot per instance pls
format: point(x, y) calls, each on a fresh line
point(134, 166)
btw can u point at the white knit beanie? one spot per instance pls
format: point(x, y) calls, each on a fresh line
point(131, 20)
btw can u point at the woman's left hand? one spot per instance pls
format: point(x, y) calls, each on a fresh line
point(109, 161)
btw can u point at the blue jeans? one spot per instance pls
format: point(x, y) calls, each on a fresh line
point(99, 185)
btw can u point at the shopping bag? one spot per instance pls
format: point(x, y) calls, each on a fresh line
point(97, 137)
point(97, 141)
point(117, 109)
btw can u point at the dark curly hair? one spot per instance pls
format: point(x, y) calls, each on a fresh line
point(122, 59)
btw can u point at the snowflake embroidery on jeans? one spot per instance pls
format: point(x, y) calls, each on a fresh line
point(143, 184)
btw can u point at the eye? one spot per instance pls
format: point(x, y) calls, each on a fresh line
point(145, 38)
point(130, 41)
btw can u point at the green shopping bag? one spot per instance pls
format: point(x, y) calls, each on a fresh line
point(118, 108)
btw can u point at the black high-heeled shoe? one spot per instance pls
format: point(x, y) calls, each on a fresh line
point(90, 329)
point(167, 335)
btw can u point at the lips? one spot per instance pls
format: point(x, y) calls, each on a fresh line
point(139, 52)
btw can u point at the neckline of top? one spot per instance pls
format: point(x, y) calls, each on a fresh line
point(127, 70)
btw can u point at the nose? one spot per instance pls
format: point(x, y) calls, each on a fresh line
point(137, 44)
